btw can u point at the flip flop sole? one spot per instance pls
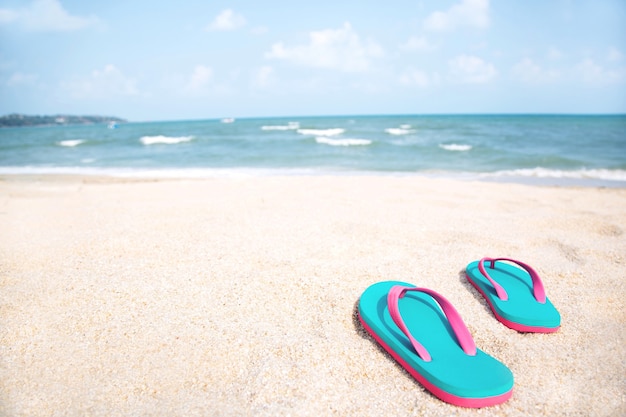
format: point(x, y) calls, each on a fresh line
point(521, 311)
point(433, 389)
point(508, 323)
point(451, 375)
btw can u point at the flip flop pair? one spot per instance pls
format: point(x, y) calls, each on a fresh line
point(424, 333)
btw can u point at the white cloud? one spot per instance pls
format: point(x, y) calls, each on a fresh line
point(415, 43)
point(591, 73)
point(530, 72)
point(468, 13)
point(264, 77)
point(615, 55)
point(419, 78)
point(199, 82)
point(471, 70)
point(8, 15)
point(199, 79)
point(101, 84)
point(339, 49)
point(46, 16)
point(259, 30)
point(587, 71)
point(227, 20)
point(21, 79)
point(555, 54)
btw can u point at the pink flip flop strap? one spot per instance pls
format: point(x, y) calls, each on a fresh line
point(458, 326)
point(538, 290)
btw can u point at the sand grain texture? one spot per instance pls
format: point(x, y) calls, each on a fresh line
point(236, 297)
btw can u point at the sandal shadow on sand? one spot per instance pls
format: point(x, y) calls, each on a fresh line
point(445, 360)
point(515, 295)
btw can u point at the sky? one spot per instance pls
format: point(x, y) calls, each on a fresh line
point(149, 60)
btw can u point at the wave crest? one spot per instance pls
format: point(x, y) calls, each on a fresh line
point(71, 143)
point(455, 147)
point(167, 140)
point(288, 126)
point(322, 132)
point(399, 131)
point(581, 174)
point(343, 142)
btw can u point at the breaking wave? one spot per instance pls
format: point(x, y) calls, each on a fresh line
point(399, 130)
point(343, 142)
point(455, 147)
point(322, 132)
point(167, 140)
point(71, 143)
point(288, 126)
point(581, 174)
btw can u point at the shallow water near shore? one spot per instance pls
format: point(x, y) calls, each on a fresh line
point(550, 149)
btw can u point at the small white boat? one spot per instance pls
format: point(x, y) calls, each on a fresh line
point(228, 120)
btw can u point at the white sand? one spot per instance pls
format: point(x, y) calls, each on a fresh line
point(236, 297)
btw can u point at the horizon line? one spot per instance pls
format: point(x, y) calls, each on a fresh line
point(234, 118)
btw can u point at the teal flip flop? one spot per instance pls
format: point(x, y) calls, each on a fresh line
point(516, 296)
point(445, 360)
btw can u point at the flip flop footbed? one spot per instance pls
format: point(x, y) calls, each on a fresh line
point(452, 375)
point(521, 310)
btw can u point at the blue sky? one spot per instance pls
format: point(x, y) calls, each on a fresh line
point(147, 60)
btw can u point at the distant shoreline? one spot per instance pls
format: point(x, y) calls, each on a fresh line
point(22, 120)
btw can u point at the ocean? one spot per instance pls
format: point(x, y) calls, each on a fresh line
point(544, 149)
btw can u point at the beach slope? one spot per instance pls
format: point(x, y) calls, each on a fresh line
point(237, 296)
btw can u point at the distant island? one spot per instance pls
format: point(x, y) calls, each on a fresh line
point(19, 120)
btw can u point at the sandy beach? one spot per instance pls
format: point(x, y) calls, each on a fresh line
point(237, 296)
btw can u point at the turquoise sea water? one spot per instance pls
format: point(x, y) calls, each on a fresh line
point(549, 149)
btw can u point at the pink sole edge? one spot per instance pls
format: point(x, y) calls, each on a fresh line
point(436, 391)
point(511, 324)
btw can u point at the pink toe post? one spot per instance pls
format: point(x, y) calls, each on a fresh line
point(538, 290)
point(456, 322)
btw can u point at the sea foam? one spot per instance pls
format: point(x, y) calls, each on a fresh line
point(167, 140)
point(322, 132)
point(455, 147)
point(343, 142)
point(71, 143)
point(289, 126)
point(399, 131)
point(580, 174)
